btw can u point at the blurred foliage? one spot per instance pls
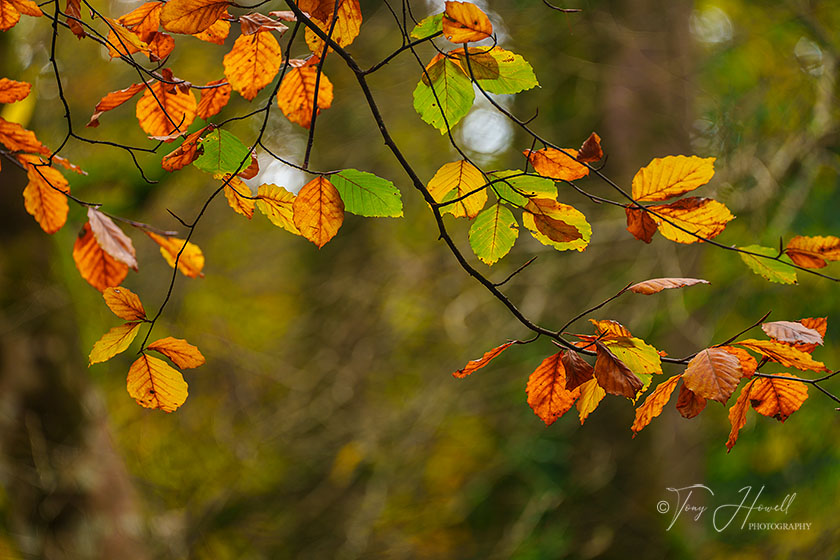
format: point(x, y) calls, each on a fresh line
point(326, 424)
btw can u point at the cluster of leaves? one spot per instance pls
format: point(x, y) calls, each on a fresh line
point(497, 202)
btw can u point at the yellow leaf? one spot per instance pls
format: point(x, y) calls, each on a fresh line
point(216, 33)
point(252, 63)
point(542, 216)
point(155, 384)
point(124, 303)
point(278, 205)
point(238, 197)
point(812, 252)
point(555, 164)
point(455, 180)
point(703, 217)
point(784, 354)
point(671, 176)
point(192, 16)
point(347, 26)
point(96, 266)
point(182, 353)
point(591, 395)
point(318, 211)
point(464, 22)
point(162, 111)
point(44, 196)
point(113, 342)
point(296, 95)
point(192, 259)
point(654, 404)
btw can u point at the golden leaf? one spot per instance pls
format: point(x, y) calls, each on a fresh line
point(216, 33)
point(11, 91)
point(18, 139)
point(671, 176)
point(278, 205)
point(238, 197)
point(738, 414)
point(347, 26)
point(558, 165)
point(114, 100)
point(182, 353)
point(155, 384)
point(654, 404)
point(124, 303)
point(252, 63)
point(296, 95)
point(214, 98)
point(699, 217)
point(591, 395)
point(464, 22)
point(192, 259)
point(44, 196)
point(163, 111)
point(113, 342)
point(192, 16)
point(778, 398)
point(812, 252)
point(454, 180)
point(318, 211)
point(784, 354)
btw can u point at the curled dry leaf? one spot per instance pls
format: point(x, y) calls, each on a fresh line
point(590, 151)
point(182, 353)
point(791, 332)
point(689, 403)
point(738, 414)
point(713, 374)
point(124, 303)
point(656, 285)
point(778, 398)
point(819, 324)
point(464, 22)
point(578, 370)
point(474, 365)
point(546, 390)
point(614, 375)
point(654, 404)
point(256, 22)
point(812, 252)
point(111, 238)
point(100, 269)
point(155, 384)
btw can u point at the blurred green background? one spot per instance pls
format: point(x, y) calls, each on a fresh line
point(326, 423)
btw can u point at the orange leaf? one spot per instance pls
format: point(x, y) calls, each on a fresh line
point(96, 266)
point(738, 414)
point(488, 356)
point(191, 260)
point(123, 42)
point(703, 217)
point(114, 100)
point(113, 342)
point(778, 398)
point(590, 151)
point(347, 26)
point(607, 329)
point(192, 16)
point(143, 20)
point(783, 354)
point(111, 238)
point(238, 197)
point(318, 211)
point(464, 22)
point(256, 22)
point(296, 96)
point(656, 285)
point(216, 33)
point(253, 168)
point(182, 353)
point(161, 45)
point(155, 384)
point(11, 91)
point(654, 404)
point(819, 324)
point(689, 403)
point(713, 373)
point(671, 176)
point(73, 10)
point(124, 303)
point(555, 164)
point(578, 370)
point(640, 224)
point(454, 180)
point(278, 205)
point(18, 139)
point(792, 333)
point(44, 196)
point(812, 252)
point(184, 154)
point(614, 375)
point(546, 390)
point(591, 395)
point(163, 111)
point(252, 63)
point(214, 98)
point(748, 363)
point(10, 11)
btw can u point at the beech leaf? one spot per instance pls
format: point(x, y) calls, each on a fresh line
point(777, 398)
point(546, 390)
point(656, 285)
point(738, 414)
point(784, 354)
point(812, 252)
point(664, 178)
point(124, 303)
point(111, 238)
point(318, 211)
point(773, 269)
point(791, 332)
point(689, 403)
point(654, 403)
point(613, 375)
point(100, 269)
point(278, 205)
point(474, 365)
point(591, 395)
point(182, 353)
point(191, 260)
point(464, 22)
point(713, 374)
point(155, 384)
point(113, 342)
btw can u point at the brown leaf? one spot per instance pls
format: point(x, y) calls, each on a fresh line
point(656, 285)
point(591, 150)
point(253, 168)
point(578, 370)
point(613, 375)
point(812, 252)
point(778, 398)
point(546, 390)
point(155, 384)
point(792, 333)
point(654, 404)
point(748, 363)
point(558, 165)
point(124, 303)
point(474, 365)
point(689, 403)
point(640, 224)
point(819, 324)
point(96, 266)
point(184, 154)
point(111, 238)
point(713, 373)
point(318, 211)
point(553, 228)
point(783, 354)
point(738, 414)
point(182, 353)
point(464, 22)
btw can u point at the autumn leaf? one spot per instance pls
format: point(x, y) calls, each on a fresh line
point(296, 95)
point(516, 188)
point(213, 99)
point(444, 94)
point(561, 166)
point(162, 111)
point(688, 219)
point(591, 395)
point(454, 180)
point(182, 353)
point(155, 384)
point(748, 363)
point(474, 365)
point(123, 42)
point(11, 91)
point(221, 153)
point(113, 342)
point(238, 197)
point(252, 63)
point(496, 70)
point(812, 252)
point(114, 100)
point(464, 22)
point(100, 269)
point(192, 16)
point(543, 215)
point(792, 333)
point(642, 358)
point(143, 20)
point(640, 224)
point(713, 373)
point(347, 26)
point(654, 404)
point(184, 154)
point(44, 196)
point(578, 370)
point(784, 354)
point(10, 11)
point(256, 22)
point(778, 398)
point(192, 259)
point(609, 329)
point(546, 390)
point(252, 170)
point(776, 268)
point(613, 375)
point(590, 151)
point(124, 303)
point(73, 10)
point(671, 176)
point(111, 238)
point(493, 233)
point(738, 414)
point(656, 285)
point(18, 139)
point(819, 324)
point(318, 211)
point(365, 194)
point(278, 205)
point(689, 403)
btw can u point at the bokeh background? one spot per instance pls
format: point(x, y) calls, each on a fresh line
point(326, 423)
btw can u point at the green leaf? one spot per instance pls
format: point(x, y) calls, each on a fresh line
point(223, 153)
point(493, 233)
point(510, 74)
point(428, 26)
point(775, 270)
point(518, 187)
point(454, 92)
point(365, 194)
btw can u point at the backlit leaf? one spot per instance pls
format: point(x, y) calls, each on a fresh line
point(558, 165)
point(184, 154)
point(493, 233)
point(546, 390)
point(689, 403)
point(784, 354)
point(11, 91)
point(100, 269)
point(613, 375)
point(10, 11)
point(44, 197)
point(713, 373)
point(545, 216)
point(365, 194)
point(454, 180)
point(656, 285)
point(564, 213)
point(123, 42)
point(703, 217)
point(124, 303)
point(347, 26)
point(474, 365)
point(444, 95)
point(812, 252)
point(642, 358)
point(464, 22)
point(18, 139)
point(182, 353)
point(216, 33)
point(590, 151)
point(191, 260)
point(155, 384)
point(515, 188)
point(738, 414)
point(163, 111)
point(778, 398)
point(192, 16)
point(238, 197)
point(143, 20)
point(213, 99)
point(428, 26)
point(791, 332)
point(278, 205)
point(296, 96)
point(578, 370)
point(671, 176)
point(318, 211)
point(609, 329)
point(591, 395)
point(252, 63)
point(640, 224)
point(111, 238)
point(222, 153)
point(654, 404)
point(497, 70)
point(113, 342)
point(114, 100)
point(773, 269)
